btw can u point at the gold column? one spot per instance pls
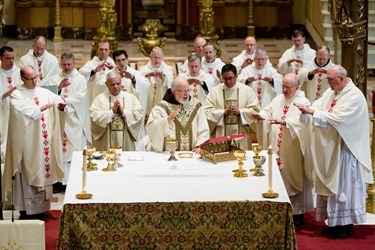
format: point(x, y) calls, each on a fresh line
point(57, 29)
point(107, 28)
point(251, 24)
point(1, 20)
point(206, 23)
point(370, 200)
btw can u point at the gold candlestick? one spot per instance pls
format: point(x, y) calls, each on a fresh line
point(240, 155)
point(84, 194)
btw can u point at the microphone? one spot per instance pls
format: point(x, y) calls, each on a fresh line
point(13, 178)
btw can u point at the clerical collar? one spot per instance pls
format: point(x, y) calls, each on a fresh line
point(40, 58)
point(212, 61)
point(169, 97)
point(7, 71)
point(234, 87)
point(329, 60)
point(67, 75)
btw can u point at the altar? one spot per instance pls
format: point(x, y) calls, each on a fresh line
point(151, 203)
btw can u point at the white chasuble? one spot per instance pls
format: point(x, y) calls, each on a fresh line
point(103, 132)
point(241, 96)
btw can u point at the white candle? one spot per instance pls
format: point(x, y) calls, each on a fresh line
point(270, 169)
point(84, 171)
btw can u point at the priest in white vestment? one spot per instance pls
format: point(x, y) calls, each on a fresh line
point(211, 64)
point(229, 107)
point(116, 117)
point(199, 42)
point(313, 77)
point(298, 56)
point(262, 78)
point(34, 154)
point(180, 117)
point(340, 153)
point(9, 80)
point(246, 57)
point(45, 64)
point(286, 146)
point(96, 70)
point(75, 130)
point(199, 81)
point(160, 77)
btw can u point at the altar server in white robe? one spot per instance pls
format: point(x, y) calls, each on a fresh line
point(160, 77)
point(262, 78)
point(9, 80)
point(180, 117)
point(45, 64)
point(199, 42)
point(298, 56)
point(340, 153)
point(34, 154)
point(116, 117)
point(313, 77)
point(229, 107)
point(199, 81)
point(286, 147)
point(75, 121)
point(96, 70)
point(211, 64)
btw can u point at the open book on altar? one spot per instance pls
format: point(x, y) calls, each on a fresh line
point(222, 148)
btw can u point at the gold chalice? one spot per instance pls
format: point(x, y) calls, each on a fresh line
point(171, 145)
point(90, 165)
point(110, 156)
point(240, 155)
point(256, 149)
point(118, 150)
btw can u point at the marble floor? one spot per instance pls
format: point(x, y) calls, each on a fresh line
point(173, 50)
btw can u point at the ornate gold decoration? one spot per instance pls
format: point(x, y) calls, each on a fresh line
point(220, 151)
point(90, 165)
point(2, 23)
point(57, 29)
point(107, 28)
point(206, 23)
point(370, 200)
point(250, 20)
point(151, 40)
point(350, 21)
point(110, 156)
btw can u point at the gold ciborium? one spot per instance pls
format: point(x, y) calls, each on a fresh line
point(240, 155)
point(110, 156)
point(118, 150)
point(171, 145)
point(90, 165)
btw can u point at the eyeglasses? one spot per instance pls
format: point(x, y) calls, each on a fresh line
point(32, 78)
point(183, 91)
point(289, 87)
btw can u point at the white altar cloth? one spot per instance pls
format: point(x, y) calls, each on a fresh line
point(28, 234)
point(157, 180)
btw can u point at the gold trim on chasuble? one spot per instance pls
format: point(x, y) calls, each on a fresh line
point(118, 124)
point(232, 122)
point(183, 121)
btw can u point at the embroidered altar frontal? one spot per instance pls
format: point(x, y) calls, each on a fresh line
point(178, 225)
